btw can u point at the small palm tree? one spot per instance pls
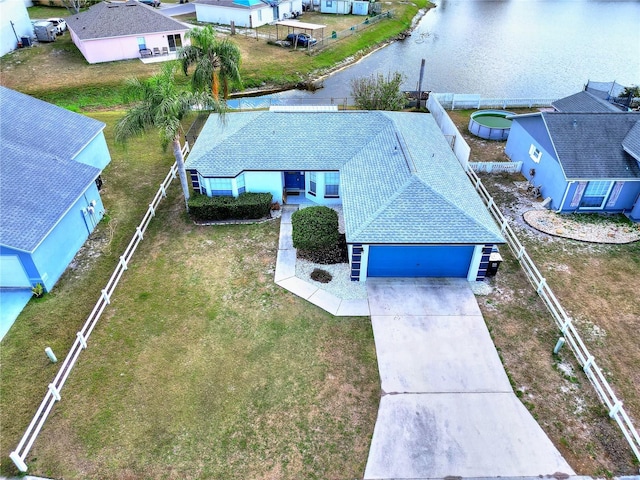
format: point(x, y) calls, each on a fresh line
point(160, 104)
point(217, 61)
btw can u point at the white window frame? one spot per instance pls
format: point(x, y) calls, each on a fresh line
point(535, 153)
point(313, 183)
point(328, 178)
point(605, 194)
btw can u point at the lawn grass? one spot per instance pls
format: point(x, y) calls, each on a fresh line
point(201, 367)
point(597, 286)
point(57, 72)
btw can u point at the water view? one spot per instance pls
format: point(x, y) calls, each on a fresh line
point(513, 48)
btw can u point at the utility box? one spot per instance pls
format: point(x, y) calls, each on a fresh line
point(45, 31)
point(495, 259)
point(26, 41)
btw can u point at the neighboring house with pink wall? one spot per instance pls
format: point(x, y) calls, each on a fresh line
point(111, 31)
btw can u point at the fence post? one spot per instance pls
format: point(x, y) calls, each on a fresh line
point(83, 341)
point(615, 409)
point(18, 462)
point(54, 392)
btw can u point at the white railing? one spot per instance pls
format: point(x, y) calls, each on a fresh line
point(53, 393)
point(496, 167)
point(563, 321)
point(459, 101)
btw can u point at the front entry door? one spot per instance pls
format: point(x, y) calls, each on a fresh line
point(293, 181)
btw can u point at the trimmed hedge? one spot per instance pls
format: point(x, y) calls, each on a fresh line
point(315, 228)
point(246, 206)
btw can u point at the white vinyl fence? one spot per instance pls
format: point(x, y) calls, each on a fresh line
point(461, 101)
point(496, 167)
point(53, 392)
point(563, 321)
point(572, 337)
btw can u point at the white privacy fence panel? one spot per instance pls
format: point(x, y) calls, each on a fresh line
point(458, 144)
point(53, 390)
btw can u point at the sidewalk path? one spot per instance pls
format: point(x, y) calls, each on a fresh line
point(447, 408)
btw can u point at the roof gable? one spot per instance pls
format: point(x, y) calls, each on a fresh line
point(120, 19)
point(590, 145)
point(40, 179)
point(631, 143)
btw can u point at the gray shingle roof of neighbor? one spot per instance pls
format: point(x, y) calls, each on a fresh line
point(400, 181)
point(631, 142)
point(583, 102)
point(589, 145)
point(120, 19)
point(39, 178)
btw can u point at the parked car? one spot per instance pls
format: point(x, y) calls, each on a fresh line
point(301, 39)
point(151, 3)
point(59, 23)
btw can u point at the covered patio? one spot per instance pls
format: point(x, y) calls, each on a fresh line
point(294, 26)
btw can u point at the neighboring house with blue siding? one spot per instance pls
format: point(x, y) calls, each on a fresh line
point(584, 162)
point(409, 207)
point(50, 163)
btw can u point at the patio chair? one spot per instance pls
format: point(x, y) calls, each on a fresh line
point(156, 51)
point(165, 50)
point(145, 53)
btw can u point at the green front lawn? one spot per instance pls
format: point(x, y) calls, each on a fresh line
point(200, 368)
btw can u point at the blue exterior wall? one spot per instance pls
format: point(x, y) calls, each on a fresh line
point(623, 204)
point(548, 173)
point(273, 182)
point(634, 214)
point(53, 255)
point(96, 153)
point(27, 263)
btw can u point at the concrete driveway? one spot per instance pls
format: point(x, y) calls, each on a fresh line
point(447, 407)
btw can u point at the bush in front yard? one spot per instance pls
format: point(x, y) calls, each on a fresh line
point(246, 206)
point(317, 237)
point(314, 228)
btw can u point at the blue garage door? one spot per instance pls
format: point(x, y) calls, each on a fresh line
point(422, 261)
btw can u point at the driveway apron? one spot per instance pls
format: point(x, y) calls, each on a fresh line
point(447, 408)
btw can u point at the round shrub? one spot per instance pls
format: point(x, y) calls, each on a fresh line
point(321, 276)
point(315, 228)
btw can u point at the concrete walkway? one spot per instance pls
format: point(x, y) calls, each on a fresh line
point(447, 408)
point(285, 276)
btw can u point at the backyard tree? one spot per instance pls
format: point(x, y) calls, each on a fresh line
point(158, 103)
point(216, 61)
point(379, 93)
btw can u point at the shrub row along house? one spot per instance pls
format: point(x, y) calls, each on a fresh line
point(51, 160)
point(585, 156)
point(409, 208)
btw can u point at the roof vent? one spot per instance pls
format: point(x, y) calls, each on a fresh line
point(575, 123)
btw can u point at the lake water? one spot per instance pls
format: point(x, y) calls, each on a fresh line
point(511, 48)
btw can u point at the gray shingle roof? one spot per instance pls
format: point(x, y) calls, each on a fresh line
point(631, 142)
point(120, 19)
point(39, 180)
point(589, 145)
point(400, 182)
point(583, 102)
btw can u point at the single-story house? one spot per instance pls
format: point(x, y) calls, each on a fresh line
point(15, 24)
point(584, 162)
point(335, 6)
point(409, 208)
point(245, 13)
point(51, 160)
point(111, 31)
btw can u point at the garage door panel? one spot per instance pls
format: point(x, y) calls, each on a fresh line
point(419, 261)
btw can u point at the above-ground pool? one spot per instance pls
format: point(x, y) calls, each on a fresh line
point(490, 124)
